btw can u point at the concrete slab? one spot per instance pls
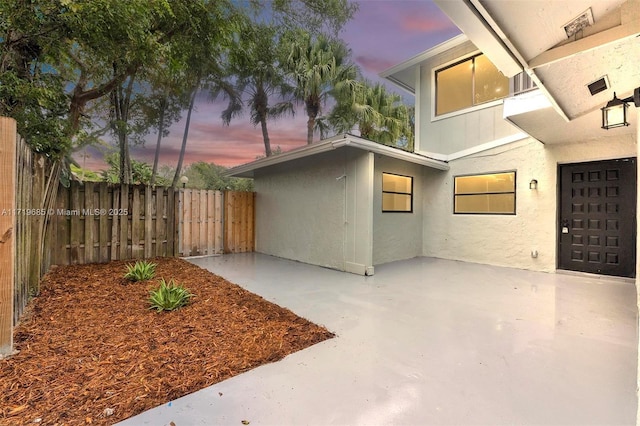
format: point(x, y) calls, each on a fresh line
point(429, 342)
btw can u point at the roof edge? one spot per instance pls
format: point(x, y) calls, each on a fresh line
point(338, 141)
point(423, 56)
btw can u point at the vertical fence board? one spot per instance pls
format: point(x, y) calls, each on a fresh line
point(218, 230)
point(124, 252)
point(202, 223)
point(88, 216)
point(210, 223)
point(105, 238)
point(8, 142)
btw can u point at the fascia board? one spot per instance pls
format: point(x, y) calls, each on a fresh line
point(471, 21)
point(387, 151)
point(424, 56)
point(246, 170)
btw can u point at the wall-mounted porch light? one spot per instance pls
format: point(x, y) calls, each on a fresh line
point(614, 114)
point(533, 184)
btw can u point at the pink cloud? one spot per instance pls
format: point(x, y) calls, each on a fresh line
point(374, 63)
point(417, 23)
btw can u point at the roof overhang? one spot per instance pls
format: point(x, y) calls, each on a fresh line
point(404, 74)
point(336, 142)
point(531, 35)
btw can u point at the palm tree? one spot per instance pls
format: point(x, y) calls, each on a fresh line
point(319, 68)
point(259, 76)
point(379, 116)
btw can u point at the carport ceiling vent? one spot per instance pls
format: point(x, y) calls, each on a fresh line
point(578, 23)
point(600, 85)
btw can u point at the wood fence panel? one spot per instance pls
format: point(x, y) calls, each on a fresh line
point(239, 217)
point(200, 222)
point(100, 222)
point(105, 235)
point(218, 229)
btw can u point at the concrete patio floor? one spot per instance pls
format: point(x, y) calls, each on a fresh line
point(427, 342)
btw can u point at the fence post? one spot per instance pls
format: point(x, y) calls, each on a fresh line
point(8, 140)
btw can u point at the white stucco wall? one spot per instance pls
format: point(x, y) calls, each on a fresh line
point(300, 210)
point(508, 240)
point(397, 236)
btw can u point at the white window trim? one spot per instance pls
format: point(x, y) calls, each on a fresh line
point(438, 67)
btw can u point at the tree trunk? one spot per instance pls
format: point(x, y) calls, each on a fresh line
point(121, 104)
point(310, 124)
point(156, 158)
point(265, 137)
point(174, 184)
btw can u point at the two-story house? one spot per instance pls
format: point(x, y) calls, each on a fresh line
point(511, 166)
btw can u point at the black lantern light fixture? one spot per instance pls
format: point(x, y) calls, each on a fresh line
point(614, 114)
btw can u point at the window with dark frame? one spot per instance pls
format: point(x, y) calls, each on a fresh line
point(470, 82)
point(490, 193)
point(397, 193)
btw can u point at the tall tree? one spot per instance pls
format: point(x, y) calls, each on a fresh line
point(316, 16)
point(204, 57)
point(378, 115)
point(320, 68)
point(259, 77)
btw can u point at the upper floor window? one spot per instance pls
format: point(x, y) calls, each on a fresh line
point(470, 82)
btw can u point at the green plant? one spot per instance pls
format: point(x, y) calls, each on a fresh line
point(142, 270)
point(169, 296)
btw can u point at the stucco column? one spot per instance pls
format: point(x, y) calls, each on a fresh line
point(358, 253)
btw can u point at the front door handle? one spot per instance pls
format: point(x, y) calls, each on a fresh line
point(565, 226)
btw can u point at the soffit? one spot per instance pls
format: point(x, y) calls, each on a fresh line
point(534, 30)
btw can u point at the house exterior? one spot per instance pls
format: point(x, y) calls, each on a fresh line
point(511, 165)
point(323, 203)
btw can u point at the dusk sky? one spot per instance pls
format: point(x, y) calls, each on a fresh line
point(383, 33)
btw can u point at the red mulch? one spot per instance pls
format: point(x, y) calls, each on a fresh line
point(91, 352)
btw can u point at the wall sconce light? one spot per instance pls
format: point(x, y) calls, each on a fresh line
point(533, 184)
point(183, 181)
point(614, 114)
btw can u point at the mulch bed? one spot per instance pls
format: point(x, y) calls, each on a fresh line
point(91, 352)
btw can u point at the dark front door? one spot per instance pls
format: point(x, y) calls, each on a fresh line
point(597, 229)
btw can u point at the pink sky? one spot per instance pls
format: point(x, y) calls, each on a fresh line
point(383, 33)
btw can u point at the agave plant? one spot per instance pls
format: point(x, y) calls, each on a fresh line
point(169, 296)
point(141, 271)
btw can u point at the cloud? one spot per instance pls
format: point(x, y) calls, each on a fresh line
point(422, 24)
point(374, 64)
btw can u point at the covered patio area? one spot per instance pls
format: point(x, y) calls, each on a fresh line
point(428, 341)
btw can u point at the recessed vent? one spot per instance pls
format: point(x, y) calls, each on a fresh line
point(579, 23)
point(600, 85)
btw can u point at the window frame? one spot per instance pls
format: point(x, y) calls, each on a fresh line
point(476, 107)
point(410, 194)
point(514, 192)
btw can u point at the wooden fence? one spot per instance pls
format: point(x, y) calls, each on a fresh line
point(239, 221)
point(36, 177)
point(99, 222)
point(42, 223)
point(200, 230)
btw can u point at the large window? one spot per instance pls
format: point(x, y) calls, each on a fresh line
point(493, 193)
point(468, 83)
point(397, 193)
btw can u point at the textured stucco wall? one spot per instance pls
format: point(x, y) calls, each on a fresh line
point(397, 236)
point(300, 210)
point(508, 240)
